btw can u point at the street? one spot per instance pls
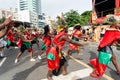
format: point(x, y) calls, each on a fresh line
point(78, 66)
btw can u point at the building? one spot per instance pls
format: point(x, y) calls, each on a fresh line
point(100, 11)
point(29, 11)
point(5, 13)
point(41, 20)
point(38, 7)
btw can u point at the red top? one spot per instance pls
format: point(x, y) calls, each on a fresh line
point(10, 36)
point(56, 40)
point(35, 34)
point(53, 64)
point(76, 33)
point(19, 43)
point(47, 40)
point(109, 38)
point(28, 35)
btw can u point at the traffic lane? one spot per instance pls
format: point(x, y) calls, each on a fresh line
point(8, 63)
point(25, 64)
point(9, 68)
point(11, 54)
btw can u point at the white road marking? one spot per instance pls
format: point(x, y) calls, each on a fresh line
point(73, 75)
point(84, 64)
point(3, 60)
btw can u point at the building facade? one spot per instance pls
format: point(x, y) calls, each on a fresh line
point(29, 10)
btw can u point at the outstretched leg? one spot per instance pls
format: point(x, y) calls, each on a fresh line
point(49, 75)
point(114, 61)
point(18, 56)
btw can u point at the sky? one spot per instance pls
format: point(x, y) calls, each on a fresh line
point(54, 7)
point(6, 4)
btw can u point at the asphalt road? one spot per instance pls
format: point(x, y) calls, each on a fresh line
point(78, 66)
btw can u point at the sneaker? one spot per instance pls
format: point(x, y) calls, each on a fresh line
point(16, 47)
point(32, 59)
point(16, 60)
point(2, 56)
point(39, 57)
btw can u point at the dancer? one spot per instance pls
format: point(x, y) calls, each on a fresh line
point(11, 38)
point(46, 39)
point(26, 45)
point(105, 51)
point(59, 41)
point(36, 36)
point(53, 61)
point(76, 35)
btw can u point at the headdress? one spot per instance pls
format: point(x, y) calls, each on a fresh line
point(61, 28)
point(111, 19)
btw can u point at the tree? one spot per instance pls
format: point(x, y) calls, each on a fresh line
point(85, 17)
point(2, 20)
point(72, 18)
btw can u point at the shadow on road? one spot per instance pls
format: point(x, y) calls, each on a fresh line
point(113, 74)
point(92, 55)
point(24, 74)
point(10, 61)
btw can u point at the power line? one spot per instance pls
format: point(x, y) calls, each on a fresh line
point(101, 2)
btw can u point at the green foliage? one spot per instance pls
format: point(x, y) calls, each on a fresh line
point(2, 20)
point(85, 17)
point(73, 17)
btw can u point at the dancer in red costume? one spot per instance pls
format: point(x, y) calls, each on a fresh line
point(17, 38)
point(59, 41)
point(76, 35)
point(46, 39)
point(36, 35)
point(53, 61)
point(11, 38)
point(26, 45)
point(105, 52)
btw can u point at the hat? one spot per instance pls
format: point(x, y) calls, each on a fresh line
point(111, 19)
point(61, 28)
point(77, 25)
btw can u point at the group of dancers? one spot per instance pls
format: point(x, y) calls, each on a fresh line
point(52, 44)
point(54, 53)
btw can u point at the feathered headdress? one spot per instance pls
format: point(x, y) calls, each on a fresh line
point(111, 19)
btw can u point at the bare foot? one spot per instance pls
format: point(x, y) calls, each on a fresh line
point(80, 53)
point(118, 72)
point(49, 78)
point(94, 75)
point(64, 73)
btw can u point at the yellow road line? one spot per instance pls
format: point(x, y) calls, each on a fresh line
point(82, 63)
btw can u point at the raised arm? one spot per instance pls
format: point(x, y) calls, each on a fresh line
point(73, 42)
point(7, 24)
